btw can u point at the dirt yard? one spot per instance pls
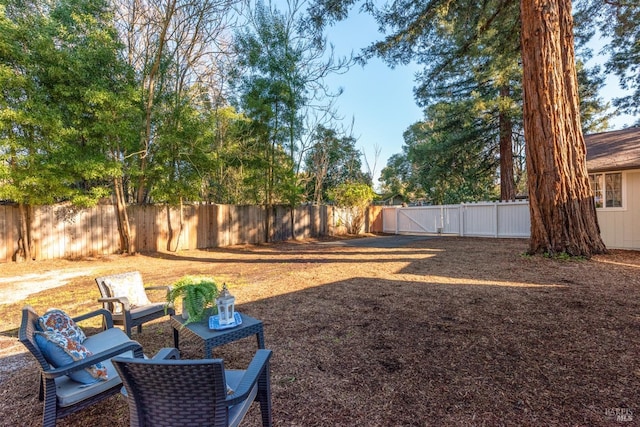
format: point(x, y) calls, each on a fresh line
point(432, 332)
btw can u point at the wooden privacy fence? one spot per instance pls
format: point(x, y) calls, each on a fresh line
point(483, 219)
point(62, 231)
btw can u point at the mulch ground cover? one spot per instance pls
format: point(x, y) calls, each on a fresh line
point(439, 332)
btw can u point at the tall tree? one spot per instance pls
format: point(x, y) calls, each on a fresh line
point(63, 99)
point(175, 48)
point(563, 214)
point(477, 67)
point(470, 54)
point(399, 177)
point(466, 122)
point(455, 164)
point(230, 153)
point(281, 75)
point(29, 133)
point(331, 161)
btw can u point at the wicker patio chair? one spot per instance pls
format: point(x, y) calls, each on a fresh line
point(124, 295)
point(166, 391)
point(63, 396)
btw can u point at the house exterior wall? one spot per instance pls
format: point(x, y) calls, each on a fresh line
point(620, 228)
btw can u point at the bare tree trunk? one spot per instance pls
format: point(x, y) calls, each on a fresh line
point(507, 182)
point(151, 91)
point(269, 186)
point(174, 236)
point(321, 168)
point(24, 246)
point(563, 215)
point(123, 218)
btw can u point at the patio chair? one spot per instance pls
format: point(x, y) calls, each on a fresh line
point(62, 395)
point(124, 295)
point(166, 391)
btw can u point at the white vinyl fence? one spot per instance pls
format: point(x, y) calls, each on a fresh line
point(482, 219)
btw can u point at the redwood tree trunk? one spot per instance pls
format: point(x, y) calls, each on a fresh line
point(563, 215)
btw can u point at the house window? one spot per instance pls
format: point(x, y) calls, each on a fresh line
point(607, 189)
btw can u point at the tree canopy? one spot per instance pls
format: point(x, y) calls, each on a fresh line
point(471, 60)
point(332, 160)
point(138, 102)
point(617, 22)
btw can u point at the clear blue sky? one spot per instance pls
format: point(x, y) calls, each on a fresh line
point(380, 99)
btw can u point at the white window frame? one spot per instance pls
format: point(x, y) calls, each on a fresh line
point(623, 191)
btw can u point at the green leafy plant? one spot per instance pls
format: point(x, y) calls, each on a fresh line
point(563, 256)
point(198, 294)
point(355, 197)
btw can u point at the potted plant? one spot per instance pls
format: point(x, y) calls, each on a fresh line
point(198, 295)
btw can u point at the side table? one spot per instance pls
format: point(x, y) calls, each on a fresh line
point(212, 338)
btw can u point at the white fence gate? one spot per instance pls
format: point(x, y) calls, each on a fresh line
point(483, 219)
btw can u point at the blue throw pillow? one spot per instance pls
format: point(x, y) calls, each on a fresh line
point(60, 350)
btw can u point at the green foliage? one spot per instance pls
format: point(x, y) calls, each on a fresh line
point(59, 70)
point(197, 294)
point(453, 165)
point(617, 20)
point(79, 116)
point(272, 88)
point(332, 160)
point(526, 255)
point(593, 116)
point(73, 97)
point(355, 197)
point(181, 156)
point(350, 195)
point(280, 86)
point(230, 153)
point(399, 177)
point(470, 88)
point(563, 256)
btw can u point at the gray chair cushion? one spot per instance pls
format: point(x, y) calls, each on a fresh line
point(237, 412)
point(70, 392)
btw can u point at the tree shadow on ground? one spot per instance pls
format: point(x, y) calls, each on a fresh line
point(461, 332)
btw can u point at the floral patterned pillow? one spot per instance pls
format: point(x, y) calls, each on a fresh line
point(61, 350)
point(55, 320)
point(127, 285)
